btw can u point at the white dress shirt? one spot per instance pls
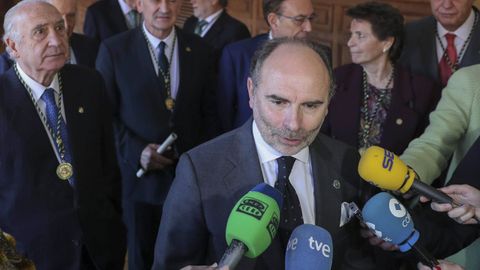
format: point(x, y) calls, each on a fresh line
point(301, 176)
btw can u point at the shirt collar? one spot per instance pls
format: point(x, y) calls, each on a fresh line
point(125, 8)
point(267, 153)
point(154, 41)
point(463, 31)
point(214, 16)
point(37, 88)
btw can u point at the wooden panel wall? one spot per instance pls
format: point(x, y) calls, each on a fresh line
point(330, 28)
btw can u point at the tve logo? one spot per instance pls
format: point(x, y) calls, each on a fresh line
point(388, 160)
point(313, 244)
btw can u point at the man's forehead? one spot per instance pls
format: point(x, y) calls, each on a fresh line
point(40, 14)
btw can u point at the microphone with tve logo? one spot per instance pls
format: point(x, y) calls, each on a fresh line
point(252, 224)
point(384, 169)
point(309, 247)
point(390, 221)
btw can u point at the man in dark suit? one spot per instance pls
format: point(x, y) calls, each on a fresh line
point(211, 21)
point(83, 50)
point(60, 192)
point(106, 18)
point(158, 79)
point(426, 45)
point(286, 18)
point(289, 90)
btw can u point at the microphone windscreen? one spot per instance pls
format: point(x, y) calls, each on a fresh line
point(384, 169)
point(390, 220)
point(254, 219)
point(309, 247)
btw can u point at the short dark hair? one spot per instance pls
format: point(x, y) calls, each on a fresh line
point(271, 6)
point(386, 21)
point(262, 53)
point(223, 3)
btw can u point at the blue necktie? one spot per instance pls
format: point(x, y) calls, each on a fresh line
point(52, 113)
point(291, 213)
point(162, 59)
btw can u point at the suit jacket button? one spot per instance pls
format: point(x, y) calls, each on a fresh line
point(336, 184)
point(399, 121)
point(76, 243)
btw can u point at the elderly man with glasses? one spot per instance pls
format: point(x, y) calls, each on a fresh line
point(286, 18)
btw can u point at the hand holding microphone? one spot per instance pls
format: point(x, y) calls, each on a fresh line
point(469, 198)
point(152, 157)
point(252, 224)
point(384, 169)
point(390, 221)
point(309, 247)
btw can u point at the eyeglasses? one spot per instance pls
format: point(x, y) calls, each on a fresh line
point(300, 19)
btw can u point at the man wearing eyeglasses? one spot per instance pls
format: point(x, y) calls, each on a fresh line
point(286, 18)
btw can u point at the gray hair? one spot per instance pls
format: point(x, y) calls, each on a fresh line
point(270, 46)
point(11, 18)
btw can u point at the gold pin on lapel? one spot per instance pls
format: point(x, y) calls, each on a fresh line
point(81, 110)
point(188, 49)
point(336, 184)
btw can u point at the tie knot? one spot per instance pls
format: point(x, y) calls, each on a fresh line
point(450, 38)
point(286, 162)
point(161, 47)
point(200, 26)
point(48, 96)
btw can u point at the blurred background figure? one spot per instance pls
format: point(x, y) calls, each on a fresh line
point(377, 102)
point(106, 18)
point(438, 45)
point(211, 21)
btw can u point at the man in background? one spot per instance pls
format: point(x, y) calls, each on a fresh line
point(438, 45)
point(286, 18)
point(106, 18)
point(211, 21)
point(60, 186)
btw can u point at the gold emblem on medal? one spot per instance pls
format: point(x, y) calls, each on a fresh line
point(169, 103)
point(64, 170)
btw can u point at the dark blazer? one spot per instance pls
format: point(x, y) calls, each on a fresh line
point(195, 213)
point(468, 169)
point(225, 30)
point(419, 53)
point(413, 98)
point(104, 19)
point(138, 102)
point(84, 48)
point(50, 220)
point(234, 68)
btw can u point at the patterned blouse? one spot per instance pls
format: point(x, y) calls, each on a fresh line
point(375, 130)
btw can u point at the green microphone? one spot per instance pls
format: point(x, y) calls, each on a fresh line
point(252, 224)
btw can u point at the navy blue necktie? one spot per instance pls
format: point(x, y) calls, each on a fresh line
point(52, 114)
point(162, 59)
point(291, 213)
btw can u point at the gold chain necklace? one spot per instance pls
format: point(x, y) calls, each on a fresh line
point(64, 169)
point(169, 101)
point(368, 116)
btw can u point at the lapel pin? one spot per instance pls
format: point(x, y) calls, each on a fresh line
point(188, 49)
point(336, 184)
point(399, 121)
point(81, 110)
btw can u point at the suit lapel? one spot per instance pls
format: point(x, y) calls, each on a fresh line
point(117, 16)
point(472, 53)
point(245, 173)
point(326, 213)
point(186, 59)
point(216, 28)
